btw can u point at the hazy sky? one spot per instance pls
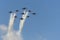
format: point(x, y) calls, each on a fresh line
point(44, 25)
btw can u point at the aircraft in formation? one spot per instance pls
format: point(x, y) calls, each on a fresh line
point(27, 16)
point(15, 16)
point(33, 13)
point(10, 12)
point(21, 18)
point(24, 8)
point(29, 11)
point(17, 10)
point(23, 13)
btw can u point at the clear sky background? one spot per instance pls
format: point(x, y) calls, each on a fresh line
point(46, 23)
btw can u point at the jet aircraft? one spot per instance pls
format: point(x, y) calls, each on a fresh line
point(22, 13)
point(15, 16)
point(17, 10)
point(10, 12)
point(27, 16)
point(24, 8)
point(21, 18)
point(29, 11)
point(33, 13)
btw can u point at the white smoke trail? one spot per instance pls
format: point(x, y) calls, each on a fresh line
point(13, 36)
point(11, 22)
point(22, 21)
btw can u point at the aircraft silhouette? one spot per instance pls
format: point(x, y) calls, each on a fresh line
point(22, 13)
point(24, 8)
point(27, 16)
point(17, 10)
point(33, 13)
point(15, 16)
point(10, 12)
point(29, 11)
point(21, 18)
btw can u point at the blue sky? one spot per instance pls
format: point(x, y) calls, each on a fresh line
point(46, 23)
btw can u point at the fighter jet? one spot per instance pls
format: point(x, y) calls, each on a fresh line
point(27, 16)
point(33, 13)
point(21, 18)
point(17, 10)
point(10, 12)
point(24, 8)
point(29, 11)
point(15, 16)
point(22, 13)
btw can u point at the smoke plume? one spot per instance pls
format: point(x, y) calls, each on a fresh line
point(14, 35)
point(22, 21)
point(11, 21)
point(11, 34)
